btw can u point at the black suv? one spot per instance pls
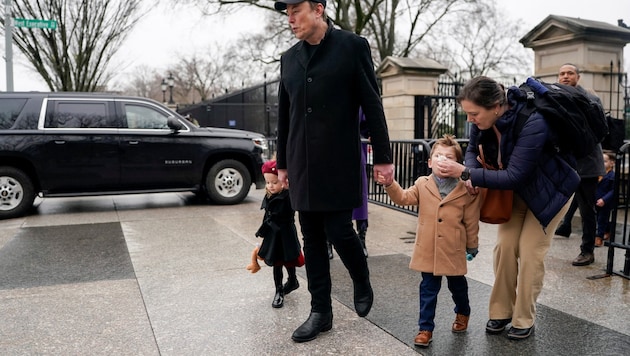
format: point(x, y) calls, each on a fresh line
point(74, 144)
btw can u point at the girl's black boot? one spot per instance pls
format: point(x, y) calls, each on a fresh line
point(278, 299)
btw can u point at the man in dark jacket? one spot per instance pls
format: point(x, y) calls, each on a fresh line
point(324, 80)
point(589, 168)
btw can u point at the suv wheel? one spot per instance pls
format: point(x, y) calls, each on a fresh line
point(16, 193)
point(228, 182)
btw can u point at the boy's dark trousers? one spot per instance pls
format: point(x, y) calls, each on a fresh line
point(429, 290)
point(603, 219)
point(336, 226)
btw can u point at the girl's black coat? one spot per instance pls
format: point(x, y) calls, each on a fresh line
point(280, 241)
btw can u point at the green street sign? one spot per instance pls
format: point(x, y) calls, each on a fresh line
point(49, 24)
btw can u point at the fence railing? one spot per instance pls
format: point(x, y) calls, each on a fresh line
point(620, 219)
point(410, 159)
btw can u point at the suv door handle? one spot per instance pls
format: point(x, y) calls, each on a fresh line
point(60, 142)
point(133, 142)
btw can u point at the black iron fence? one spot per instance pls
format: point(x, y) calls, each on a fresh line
point(255, 109)
point(410, 159)
point(620, 219)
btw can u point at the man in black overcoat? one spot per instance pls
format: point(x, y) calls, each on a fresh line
point(325, 78)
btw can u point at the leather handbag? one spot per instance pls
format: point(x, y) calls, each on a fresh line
point(496, 206)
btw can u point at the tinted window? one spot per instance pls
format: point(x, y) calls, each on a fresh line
point(9, 111)
point(79, 114)
point(143, 117)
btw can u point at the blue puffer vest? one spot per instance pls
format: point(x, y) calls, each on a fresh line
point(532, 167)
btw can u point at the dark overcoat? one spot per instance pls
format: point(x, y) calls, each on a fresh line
point(318, 123)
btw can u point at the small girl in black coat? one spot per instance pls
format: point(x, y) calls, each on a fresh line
point(280, 246)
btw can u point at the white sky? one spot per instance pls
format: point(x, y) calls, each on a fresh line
point(159, 39)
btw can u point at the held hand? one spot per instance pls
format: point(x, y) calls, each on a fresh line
point(600, 203)
point(283, 178)
point(384, 172)
point(381, 180)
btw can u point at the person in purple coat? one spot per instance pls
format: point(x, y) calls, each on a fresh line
point(360, 214)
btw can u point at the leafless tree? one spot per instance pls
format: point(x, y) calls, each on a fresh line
point(484, 43)
point(397, 27)
point(199, 76)
point(145, 82)
point(75, 55)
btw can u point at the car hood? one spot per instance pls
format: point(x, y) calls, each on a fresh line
point(216, 131)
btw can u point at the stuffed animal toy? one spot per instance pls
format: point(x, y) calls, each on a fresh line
point(254, 266)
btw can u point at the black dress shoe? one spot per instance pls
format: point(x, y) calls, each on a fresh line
point(519, 334)
point(363, 298)
point(584, 259)
point(316, 323)
point(290, 286)
point(495, 326)
point(278, 299)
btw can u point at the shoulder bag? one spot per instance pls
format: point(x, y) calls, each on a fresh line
point(497, 203)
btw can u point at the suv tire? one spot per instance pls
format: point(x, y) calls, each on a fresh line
point(16, 192)
point(228, 182)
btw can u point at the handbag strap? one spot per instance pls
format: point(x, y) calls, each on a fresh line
point(481, 157)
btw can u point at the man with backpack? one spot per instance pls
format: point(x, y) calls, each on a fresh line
point(589, 168)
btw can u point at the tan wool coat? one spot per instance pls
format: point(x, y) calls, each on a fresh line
point(445, 227)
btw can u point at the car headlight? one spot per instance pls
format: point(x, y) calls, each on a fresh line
point(260, 142)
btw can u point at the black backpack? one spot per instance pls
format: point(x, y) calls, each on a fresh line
point(616, 134)
point(578, 122)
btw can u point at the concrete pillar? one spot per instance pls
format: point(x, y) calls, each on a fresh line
point(403, 79)
point(590, 45)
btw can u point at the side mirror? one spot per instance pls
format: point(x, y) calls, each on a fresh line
point(174, 124)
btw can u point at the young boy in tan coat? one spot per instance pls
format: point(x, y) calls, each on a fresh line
point(448, 224)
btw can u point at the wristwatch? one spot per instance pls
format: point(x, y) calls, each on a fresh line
point(465, 174)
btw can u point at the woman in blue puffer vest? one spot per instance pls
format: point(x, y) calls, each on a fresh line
point(543, 182)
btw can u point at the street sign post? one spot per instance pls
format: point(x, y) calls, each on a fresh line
point(35, 23)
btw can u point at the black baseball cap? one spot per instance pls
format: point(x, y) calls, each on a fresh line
point(282, 4)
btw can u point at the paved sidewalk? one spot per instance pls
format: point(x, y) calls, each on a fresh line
point(163, 274)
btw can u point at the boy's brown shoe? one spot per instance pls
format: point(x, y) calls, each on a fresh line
point(423, 338)
point(598, 241)
point(461, 323)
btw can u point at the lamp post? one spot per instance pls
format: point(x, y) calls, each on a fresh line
point(163, 90)
point(171, 84)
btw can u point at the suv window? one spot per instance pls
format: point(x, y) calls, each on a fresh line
point(9, 111)
point(142, 117)
point(79, 114)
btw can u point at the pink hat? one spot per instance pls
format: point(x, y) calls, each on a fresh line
point(269, 167)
